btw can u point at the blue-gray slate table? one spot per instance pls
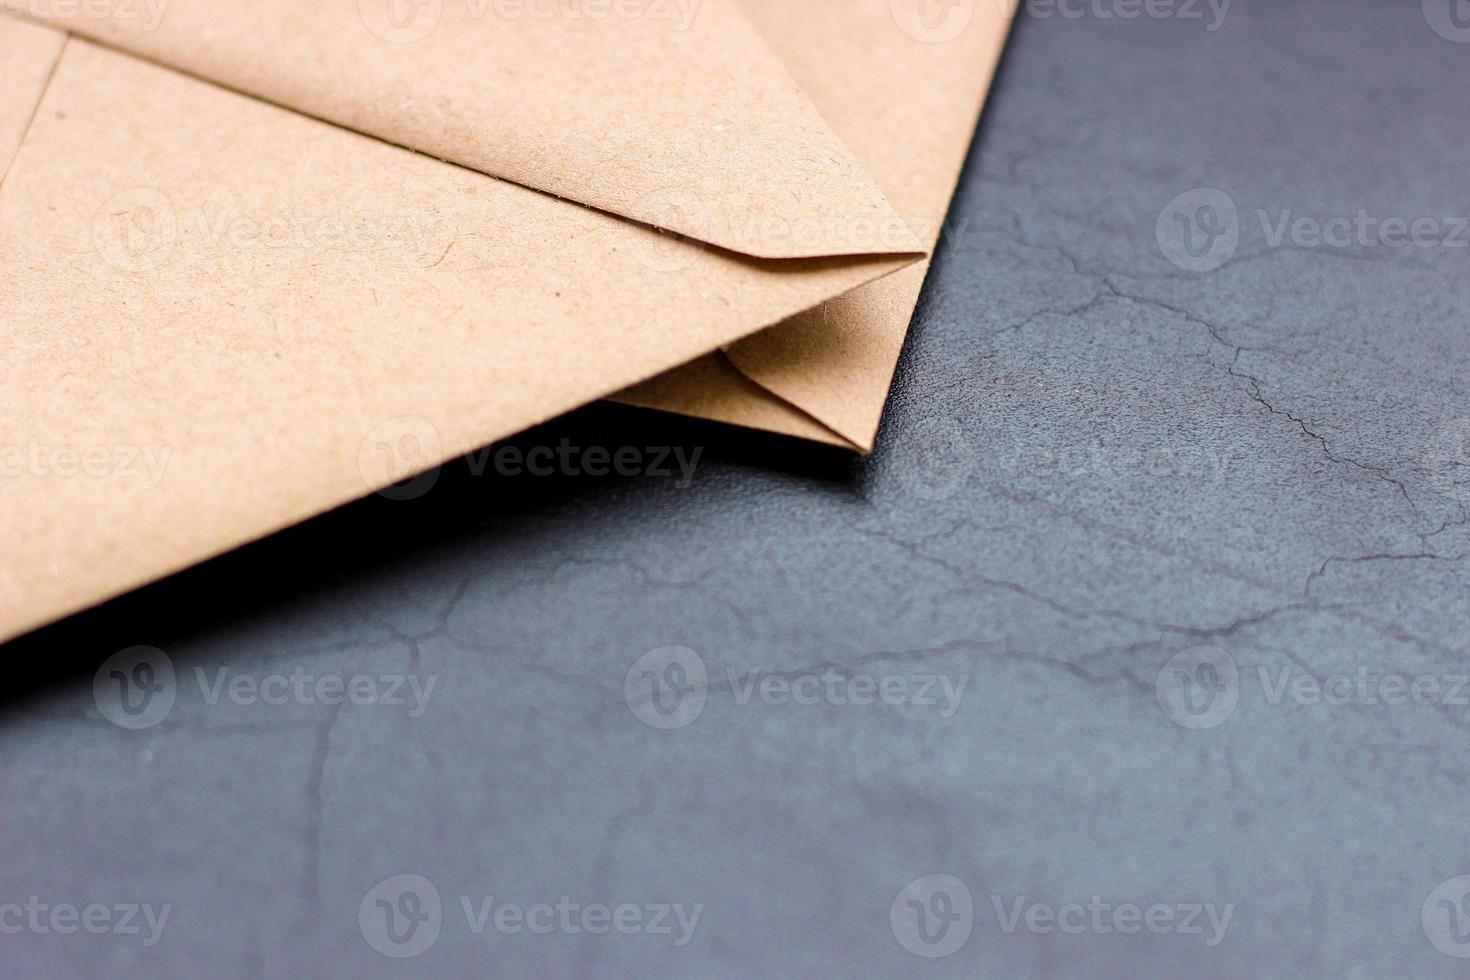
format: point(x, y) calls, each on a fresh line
point(1138, 649)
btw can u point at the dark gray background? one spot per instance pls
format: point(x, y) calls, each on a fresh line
point(1093, 461)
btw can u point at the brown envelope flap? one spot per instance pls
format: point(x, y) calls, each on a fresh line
point(835, 363)
point(677, 116)
point(222, 320)
point(714, 388)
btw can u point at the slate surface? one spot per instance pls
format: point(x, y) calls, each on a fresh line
point(1096, 460)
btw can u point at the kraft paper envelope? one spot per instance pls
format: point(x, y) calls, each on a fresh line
point(624, 106)
point(219, 321)
point(179, 378)
point(905, 101)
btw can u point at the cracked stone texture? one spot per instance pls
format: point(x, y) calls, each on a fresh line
point(1093, 461)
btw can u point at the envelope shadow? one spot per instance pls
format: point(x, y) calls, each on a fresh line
point(381, 535)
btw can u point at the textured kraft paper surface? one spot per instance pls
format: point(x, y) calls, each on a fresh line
point(681, 119)
point(754, 124)
point(225, 317)
point(92, 534)
point(910, 125)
